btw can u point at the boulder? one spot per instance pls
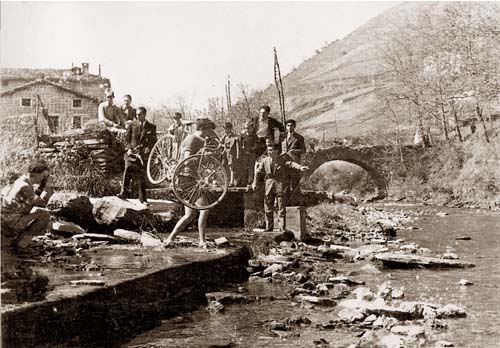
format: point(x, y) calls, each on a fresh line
point(363, 293)
point(450, 310)
point(465, 282)
point(73, 207)
point(321, 301)
point(351, 315)
point(221, 241)
point(344, 280)
point(393, 260)
point(66, 228)
point(215, 307)
point(369, 269)
point(114, 212)
point(149, 240)
point(272, 269)
point(97, 237)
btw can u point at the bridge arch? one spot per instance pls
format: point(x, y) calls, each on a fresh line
point(363, 157)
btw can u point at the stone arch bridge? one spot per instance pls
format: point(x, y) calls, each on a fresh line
point(376, 160)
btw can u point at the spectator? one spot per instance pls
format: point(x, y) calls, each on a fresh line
point(266, 127)
point(248, 141)
point(23, 202)
point(140, 139)
point(231, 157)
point(128, 112)
point(274, 168)
point(110, 114)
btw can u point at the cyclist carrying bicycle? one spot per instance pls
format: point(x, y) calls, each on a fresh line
point(191, 145)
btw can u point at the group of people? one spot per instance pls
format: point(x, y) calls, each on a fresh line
point(261, 153)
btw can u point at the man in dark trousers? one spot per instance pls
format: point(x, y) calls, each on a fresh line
point(140, 138)
point(274, 168)
point(266, 128)
point(294, 146)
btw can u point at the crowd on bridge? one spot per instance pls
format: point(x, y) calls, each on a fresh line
point(267, 153)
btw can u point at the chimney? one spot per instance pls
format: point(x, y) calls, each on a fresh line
point(85, 68)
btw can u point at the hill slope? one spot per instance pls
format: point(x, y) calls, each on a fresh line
point(338, 86)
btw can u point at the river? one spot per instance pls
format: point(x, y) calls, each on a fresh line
point(242, 325)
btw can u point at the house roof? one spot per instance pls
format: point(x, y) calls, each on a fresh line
point(43, 81)
point(47, 74)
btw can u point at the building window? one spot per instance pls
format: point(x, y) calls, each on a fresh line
point(77, 103)
point(53, 124)
point(77, 122)
point(26, 102)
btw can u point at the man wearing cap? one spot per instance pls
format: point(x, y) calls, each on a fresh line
point(110, 114)
point(140, 139)
point(23, 216)
point(274, 168)
point(266, 127)
point(248, 140)
point(293, 145)
point(178, 131)
point(190, 146)
point(128, 112)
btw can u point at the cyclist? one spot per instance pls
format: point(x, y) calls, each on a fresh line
point(190, 146)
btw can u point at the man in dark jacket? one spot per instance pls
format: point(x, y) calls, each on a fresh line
point(266, 128)
point(140, 138)
point(294, 146)
point(275, 169)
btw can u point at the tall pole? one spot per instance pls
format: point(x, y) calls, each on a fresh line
point(279, 86)
point(37, 105)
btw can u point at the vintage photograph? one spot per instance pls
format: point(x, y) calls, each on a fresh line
point(250, 174)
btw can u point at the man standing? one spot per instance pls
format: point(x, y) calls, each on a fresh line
point(275, 169)
point(248, 140)
point(22, 214)
point(231, 156)
point(178, 131)
point(140, 139)
point(128, 112)
point(190, 146)
point(110, 114)
point(266, 127)
point(294, 146)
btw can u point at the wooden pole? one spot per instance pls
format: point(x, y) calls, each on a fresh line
point(37, 144)
point(279, 86)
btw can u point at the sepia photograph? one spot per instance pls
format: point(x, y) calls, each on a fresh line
point(225, 174)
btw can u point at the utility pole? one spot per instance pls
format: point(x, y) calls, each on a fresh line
point(37, 144)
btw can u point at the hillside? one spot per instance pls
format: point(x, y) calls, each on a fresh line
point(340, 83)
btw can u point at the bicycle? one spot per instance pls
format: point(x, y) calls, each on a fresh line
point(164, 156)
point(200, 181)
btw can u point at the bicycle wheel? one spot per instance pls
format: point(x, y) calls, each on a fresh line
point(161, 161)
point(200, 182)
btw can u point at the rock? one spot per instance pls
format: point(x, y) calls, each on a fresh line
point(368, 250)
point(443, 344)
point(149, 240)
point(74, 207)
point(271, 269)
point(465, 282)
point(340, 291)
point(128, 235)
point(229, 297)
point(397, 294)
point(449, 256)
point(369, 269)
point(409, 330)
point(442, 214)
point(300, 278)
point(215, 307)
point(363, 293)
point(370, 319)
point(92, 282)
point(412, 247)
point(256, 279)
point(271, 259)
point(463, 238)
point(322, 289)
point(385, 289)
point(450, 310)
point(393, 260)
point(386, 227)
point(344, 280)
point(346, 252)
point(391, 341)
point(97, 237)
point(67, 228)
point(221, 241)
point(254, 263)
point(286, 236)
point(351, 315)
point(321, 301)
point(118, 213)
point(275, 325)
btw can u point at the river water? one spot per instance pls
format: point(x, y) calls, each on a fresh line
point(242, 325)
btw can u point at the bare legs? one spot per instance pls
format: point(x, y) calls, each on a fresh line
point(189, 215)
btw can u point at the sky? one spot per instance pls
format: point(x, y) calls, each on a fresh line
point(160, 52)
